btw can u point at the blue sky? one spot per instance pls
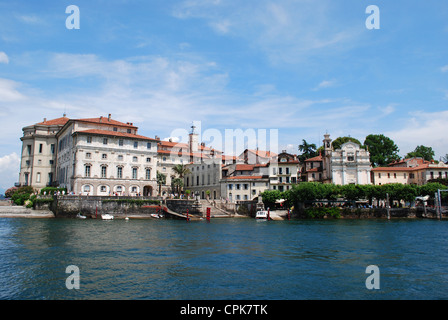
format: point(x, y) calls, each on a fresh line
point(303, 67)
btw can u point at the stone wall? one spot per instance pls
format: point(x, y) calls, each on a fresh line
point(70, 206)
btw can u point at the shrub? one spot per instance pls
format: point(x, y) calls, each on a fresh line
point(319, 213)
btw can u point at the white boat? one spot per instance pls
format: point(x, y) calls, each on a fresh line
point(156, 215)
point(80, 216)
point(261, 215)
point(107, 216)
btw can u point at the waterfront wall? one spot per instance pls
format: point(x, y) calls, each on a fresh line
point(70, 206)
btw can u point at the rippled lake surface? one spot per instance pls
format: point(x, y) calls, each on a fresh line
point(224, 259)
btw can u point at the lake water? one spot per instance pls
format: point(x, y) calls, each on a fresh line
point(237, 259)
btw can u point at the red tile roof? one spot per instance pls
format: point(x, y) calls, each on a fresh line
point(106, 120)
point(315, 159)
point(58, 121)
point(244, 177)
point(263, 154)
point(244, 167)
point(115, 134)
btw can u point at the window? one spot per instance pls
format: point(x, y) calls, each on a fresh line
point(38, 177)
point(104, 156)
point(51, 161)
point(245, 186)
point(103, 171)
point(115, 129)
point(104, 140)
point(280, 170)
point(40, 147)
point(388, 175)
point(148, 145)
point(395, 175)
point(134, 173)
point(28, 148)
point(287, 170)
point(89, 139)
point(134, 189)
point(119, 189)
point(135, 144)
point(88, 155)
point(148, 174)
point(52, 148)
point(134, 159)
point(148, 159)
point(120, 142)
point(230, 186)
point(119, 172)
point(350, 157)
point(103, 188)
point(120, 157)
point(87, 171)
point(411, 176)
point(379, 174)
point(86, 188)
point(245, 197)
point(237, 186)
point(128, 130)
point(27, 163)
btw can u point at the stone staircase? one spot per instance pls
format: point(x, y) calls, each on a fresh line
point(214, 211)
point(19, 211)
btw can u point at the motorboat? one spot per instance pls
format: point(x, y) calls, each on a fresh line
point(107, 216)
point(80, 216)
point(156, 215)
point(262, 215)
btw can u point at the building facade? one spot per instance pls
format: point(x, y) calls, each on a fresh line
point(38, 158)
point(409, 171)
point(102, 156)
point(348, 165)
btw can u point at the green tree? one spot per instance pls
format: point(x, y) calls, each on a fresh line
point(308, 150)
point(161, 180)
point(181, 171)
point(382, 149)
point(22, 194)
point(338, 142)
point(177, 184)
point(422, 151)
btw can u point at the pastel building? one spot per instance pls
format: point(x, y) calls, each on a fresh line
point(102, 156)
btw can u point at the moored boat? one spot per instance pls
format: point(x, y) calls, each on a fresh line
point(107, 216)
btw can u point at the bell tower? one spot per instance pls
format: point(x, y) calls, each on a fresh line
point(326, 159)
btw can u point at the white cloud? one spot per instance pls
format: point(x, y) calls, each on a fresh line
point(390, 108)
point(423, 128)
point(8, 91)
point(281, 30)
point(325, 84)
point(3, 58)
point(444, 68)
point(9, 170)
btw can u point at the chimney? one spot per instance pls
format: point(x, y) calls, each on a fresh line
point(108, 118)
point(101, 118)
point(45, 119)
